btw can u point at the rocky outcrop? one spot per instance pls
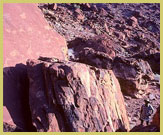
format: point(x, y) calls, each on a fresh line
point(153, 58)
point(98, 51)
point(70, 96)
point(100, 43)
point(95, 58)
point(133, 75)
point(26, 34)
point(58, 95)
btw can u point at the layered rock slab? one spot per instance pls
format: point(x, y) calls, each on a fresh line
point(26, 34)
point(133, 75)
point(69, 96)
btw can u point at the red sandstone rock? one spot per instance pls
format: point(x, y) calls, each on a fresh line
point(88, 5)
point(100, 43)
point(7, 117)
point(94, 8)
point(153, 58)
point(79, 14)
point(134, 21)
point(106, 27)
point(80, 17)
point(55, 6)
point(26, 34)
point(133, 75)
point(103, 12)
point(78, 11)
point(69, 96)
point(95, 58)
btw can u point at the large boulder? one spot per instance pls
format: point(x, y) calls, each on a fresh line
point(70, 96)
point(26, 34)
point(98, 51)
point(133, 75)
point(95, 58)
point(153, 58)
point(101, 43)
point(154, 61)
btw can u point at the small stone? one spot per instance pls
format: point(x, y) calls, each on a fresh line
point(88, 5)
point(127, 97)
point(136, 115)
point(55, 6)
point(132, 125)
point(151, 96)
point(78, 11)
point(157, 96)
point(80, 17)
point(103, 12)
point(133, 21)
point(95, 9)
point(106, 28)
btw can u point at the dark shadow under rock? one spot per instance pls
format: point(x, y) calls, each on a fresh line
point(15, 96)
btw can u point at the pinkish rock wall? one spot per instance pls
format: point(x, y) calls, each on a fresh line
point(26, 34)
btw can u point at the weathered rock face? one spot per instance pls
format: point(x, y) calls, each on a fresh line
point(98, 51)
point(99, 43)
point(95, 58)
point(69, 96)
point(26, 34)
point(153, 58)
point(133, 75)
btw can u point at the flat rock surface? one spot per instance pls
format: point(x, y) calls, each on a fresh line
point(26, 34)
